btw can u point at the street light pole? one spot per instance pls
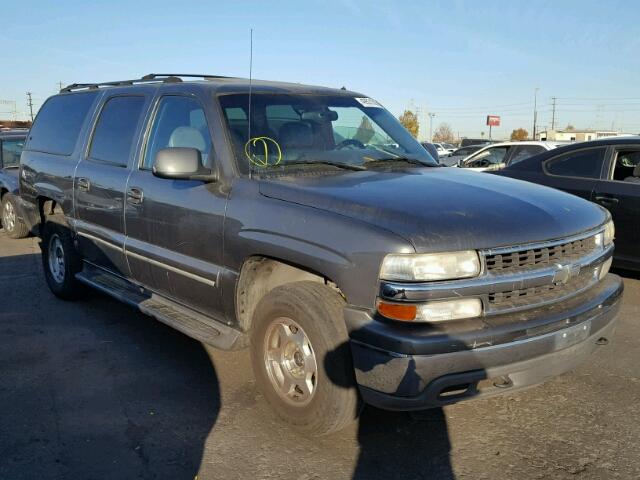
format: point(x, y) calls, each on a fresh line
point(535, 111)
point(431, 115)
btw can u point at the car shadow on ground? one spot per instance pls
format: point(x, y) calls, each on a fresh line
point(407, 445)
point(93, 389)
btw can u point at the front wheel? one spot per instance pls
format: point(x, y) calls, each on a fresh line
point(61, 261)
point(302, 359)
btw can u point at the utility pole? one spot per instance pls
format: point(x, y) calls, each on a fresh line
point(431, 115)
point(30, 103)
point(553, 113)
point(60, 85)
point(535, 111)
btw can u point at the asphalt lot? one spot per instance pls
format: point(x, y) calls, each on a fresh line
point(96, 390)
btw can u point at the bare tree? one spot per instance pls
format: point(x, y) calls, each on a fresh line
point(444, 134)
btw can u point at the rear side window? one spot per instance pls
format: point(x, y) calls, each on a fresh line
point(583, 163)
point(58, 123)
point(116, 127)
point(11, 150)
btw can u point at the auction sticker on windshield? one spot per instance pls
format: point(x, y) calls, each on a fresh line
point(368, 102)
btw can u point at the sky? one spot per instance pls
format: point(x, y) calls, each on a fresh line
point(460, 60)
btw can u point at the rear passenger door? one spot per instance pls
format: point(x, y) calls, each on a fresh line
point(619, 192)
point(174, 227)
point(100, 182)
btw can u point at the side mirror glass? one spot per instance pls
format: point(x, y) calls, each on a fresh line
point(181, 163)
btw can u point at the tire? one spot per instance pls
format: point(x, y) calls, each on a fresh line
point(328, 399)
point(58, 250)
point(12, 225)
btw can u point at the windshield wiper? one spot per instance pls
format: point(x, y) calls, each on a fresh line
point(412, 161)
point(345, 166)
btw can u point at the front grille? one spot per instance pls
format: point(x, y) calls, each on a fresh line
point(528, 297)
point(528, 259)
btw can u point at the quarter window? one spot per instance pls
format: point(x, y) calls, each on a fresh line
point(583, 163)
point(525, 151)
point(179, 122)
point(115, 130)
point(58, 123)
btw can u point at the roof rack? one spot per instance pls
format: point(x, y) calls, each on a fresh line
point(149, 78)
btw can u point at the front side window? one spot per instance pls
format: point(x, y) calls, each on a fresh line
point(114, 133)
point(11, 150)
point(627, 166)
point(292, 131)
point(583, 163)
point(179, 122)
point(57, 126)
point(486, 158)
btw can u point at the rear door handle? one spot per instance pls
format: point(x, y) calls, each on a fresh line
point(135, 196)
point(606, 201)
point(83, 184)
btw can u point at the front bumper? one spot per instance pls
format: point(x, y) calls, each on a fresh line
point(410, 367)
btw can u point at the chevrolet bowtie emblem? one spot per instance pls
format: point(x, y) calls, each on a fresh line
point(564, 273)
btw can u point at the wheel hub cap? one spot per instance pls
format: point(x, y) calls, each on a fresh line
point(290, 362)
point(56, 259)
point(8, 217)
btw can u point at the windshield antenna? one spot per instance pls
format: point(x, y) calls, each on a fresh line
point(250, 88)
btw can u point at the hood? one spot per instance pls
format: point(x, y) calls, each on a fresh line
point(443, 209)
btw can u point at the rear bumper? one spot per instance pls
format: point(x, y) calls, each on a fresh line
point(450, 369)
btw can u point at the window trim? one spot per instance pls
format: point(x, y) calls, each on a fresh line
point(152, 118)
point(86, 156)
point(613, 158)
point(599, 177)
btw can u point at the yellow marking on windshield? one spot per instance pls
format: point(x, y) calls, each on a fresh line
point(262, 162)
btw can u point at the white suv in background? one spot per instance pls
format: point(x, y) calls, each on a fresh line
point(499, 155)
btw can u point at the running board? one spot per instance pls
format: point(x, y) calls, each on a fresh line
point(186, 320)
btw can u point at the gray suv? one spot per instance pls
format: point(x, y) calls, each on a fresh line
point(306, 224)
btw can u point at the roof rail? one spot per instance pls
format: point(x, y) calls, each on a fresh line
point(149, 78)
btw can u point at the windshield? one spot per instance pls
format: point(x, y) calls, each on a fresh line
point(292, 131)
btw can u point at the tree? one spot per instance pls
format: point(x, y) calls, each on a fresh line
point(409, 120)
point(444, 134)
point(365, 131)
point(519, 134)
point(570, 128)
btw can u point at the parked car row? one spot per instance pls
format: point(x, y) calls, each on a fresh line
point(308, 225)
point(11, 145)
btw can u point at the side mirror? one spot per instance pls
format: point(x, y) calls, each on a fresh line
point(181, 163)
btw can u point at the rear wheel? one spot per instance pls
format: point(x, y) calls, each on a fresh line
point(301, 357)
point(12, 225)
point(61, 261)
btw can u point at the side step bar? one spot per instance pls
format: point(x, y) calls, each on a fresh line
point(184, 319)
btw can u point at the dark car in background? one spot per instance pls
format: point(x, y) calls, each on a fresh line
point(604, 171)
point(11, 145)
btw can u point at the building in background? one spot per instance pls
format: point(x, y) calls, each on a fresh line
point(574, 135)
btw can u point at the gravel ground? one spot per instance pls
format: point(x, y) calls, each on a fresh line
point(96, 390)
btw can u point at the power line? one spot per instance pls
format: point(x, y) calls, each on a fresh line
point(553, 115)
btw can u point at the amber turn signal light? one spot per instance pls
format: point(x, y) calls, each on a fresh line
point(397, 311)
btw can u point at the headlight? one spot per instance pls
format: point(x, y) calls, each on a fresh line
point(605, 238)
point(424, 267)
point(436, 311)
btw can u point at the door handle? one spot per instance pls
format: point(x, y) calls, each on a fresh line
point(83, 184)
point(606, 201)
point(135, 196)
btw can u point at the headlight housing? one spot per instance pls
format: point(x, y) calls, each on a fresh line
point(432, 312)
point(427, 267)
point(605, 238)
